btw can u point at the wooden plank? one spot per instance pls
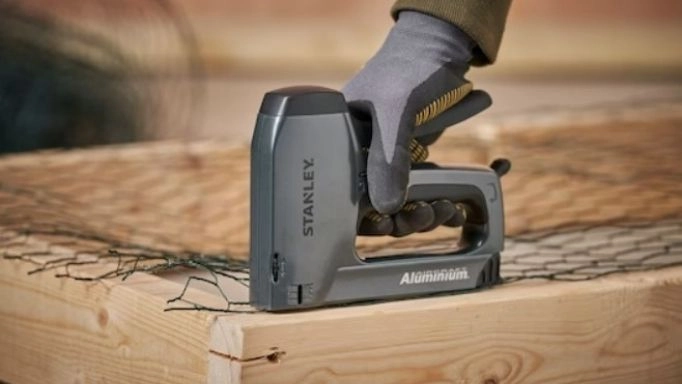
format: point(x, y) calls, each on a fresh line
point(65, 331)
point(625, 329)
point(620, 329)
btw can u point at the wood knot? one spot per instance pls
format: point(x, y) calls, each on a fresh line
point(103, 317)
point(275, 356)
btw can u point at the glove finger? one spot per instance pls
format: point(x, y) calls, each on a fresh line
point(443, 211)
point(414, 217)
point(443, 105)
point(439, 106)
point(429, 139)
point(388, 163)
point(459, 217)
point(375, 224)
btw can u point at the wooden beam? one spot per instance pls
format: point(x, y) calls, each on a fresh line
point(65, 331)
point(618, 329)
point(626, 329)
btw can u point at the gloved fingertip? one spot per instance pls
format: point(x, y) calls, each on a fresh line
point(387, 184)
point(443, 211)
point(375, 224)
point(388, 203)
point(429, 139)
point(388, 169)
point(401, 227)
point(413, 217)
point(459, 217)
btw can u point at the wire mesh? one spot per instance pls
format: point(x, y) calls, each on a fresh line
point(580, 202)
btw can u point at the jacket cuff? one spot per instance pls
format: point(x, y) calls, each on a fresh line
point(482, 20)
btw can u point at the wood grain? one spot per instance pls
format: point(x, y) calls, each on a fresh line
point(620, 329)
point(624, 329)
point(64, 331)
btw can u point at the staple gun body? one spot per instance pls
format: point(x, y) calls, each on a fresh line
point(309, 193)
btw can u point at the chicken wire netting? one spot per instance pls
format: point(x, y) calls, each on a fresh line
point(583, 200)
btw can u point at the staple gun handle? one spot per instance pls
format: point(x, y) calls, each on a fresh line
point(477, 187)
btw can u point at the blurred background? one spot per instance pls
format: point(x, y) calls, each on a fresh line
point(171, 69)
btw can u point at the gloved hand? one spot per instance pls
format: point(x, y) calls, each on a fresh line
point(417, 74)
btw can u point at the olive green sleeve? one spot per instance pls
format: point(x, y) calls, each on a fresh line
point(482, 20)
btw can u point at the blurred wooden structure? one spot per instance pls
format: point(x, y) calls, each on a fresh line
point(545, 38)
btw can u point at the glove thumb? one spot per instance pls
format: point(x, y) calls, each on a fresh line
point(388, 162)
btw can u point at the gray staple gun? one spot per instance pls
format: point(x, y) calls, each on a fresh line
point(308, 195)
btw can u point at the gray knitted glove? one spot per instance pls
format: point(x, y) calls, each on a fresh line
point(417, 74)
